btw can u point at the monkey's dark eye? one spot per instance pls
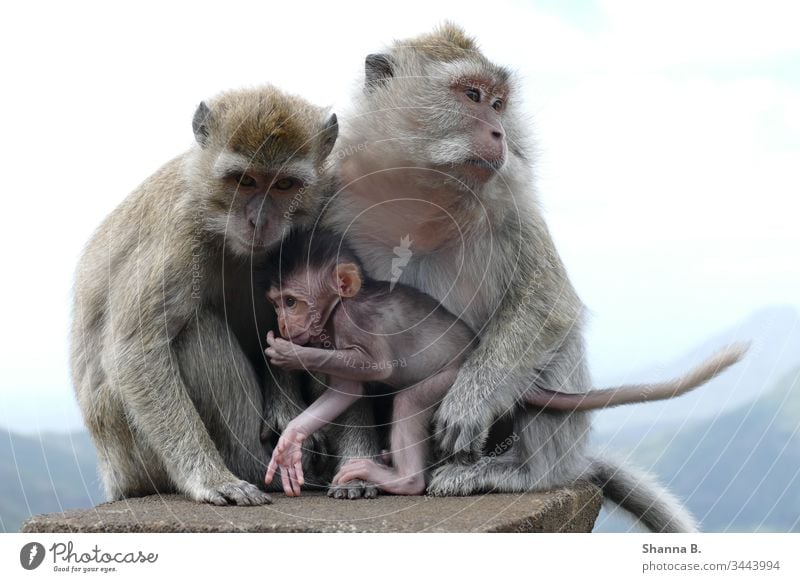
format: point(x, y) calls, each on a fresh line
point(247, 181)
point(497, 105)
point(473, 94)
point(291, 302)
point(285, 184)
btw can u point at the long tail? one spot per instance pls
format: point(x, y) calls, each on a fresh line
point(640, 494)
point(635, 393)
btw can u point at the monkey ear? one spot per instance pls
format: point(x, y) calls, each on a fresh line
point(328, 135)
point(348, 279)
point(200, 122)
point(378, 68)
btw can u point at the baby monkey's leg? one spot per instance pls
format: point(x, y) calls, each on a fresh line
point(410, 439)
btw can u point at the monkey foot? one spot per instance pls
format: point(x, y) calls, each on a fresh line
point(386, 478)
point(232, 493)
point(453, 479)
point(355, 489)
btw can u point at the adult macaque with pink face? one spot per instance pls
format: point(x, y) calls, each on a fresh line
point(436, 148)
point(360, 330)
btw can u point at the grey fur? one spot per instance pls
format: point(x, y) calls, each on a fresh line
point(638, 493)
point(491, 261)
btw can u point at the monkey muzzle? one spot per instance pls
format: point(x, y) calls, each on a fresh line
point(482, 170)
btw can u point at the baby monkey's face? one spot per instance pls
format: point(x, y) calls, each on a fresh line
point(307, 298)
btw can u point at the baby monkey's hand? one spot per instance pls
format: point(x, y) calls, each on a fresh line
point(288, 457)
point(283, 353)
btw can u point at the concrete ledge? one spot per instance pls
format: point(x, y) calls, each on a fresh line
point(572, 509)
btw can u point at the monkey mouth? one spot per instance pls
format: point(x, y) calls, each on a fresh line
point(480, 169)
point(495, 164)
point(298, 338)
point(301, 338)
point(258, 243)
point(252, 245)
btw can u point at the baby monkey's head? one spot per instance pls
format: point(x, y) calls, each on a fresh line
point(305, 279)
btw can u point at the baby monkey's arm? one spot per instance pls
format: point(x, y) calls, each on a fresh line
point(288, 453)
point(354, 363)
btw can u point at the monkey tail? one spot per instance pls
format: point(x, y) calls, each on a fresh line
point(638, 493)
point(635, 393)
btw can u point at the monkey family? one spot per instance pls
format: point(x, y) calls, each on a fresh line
point(433, 149)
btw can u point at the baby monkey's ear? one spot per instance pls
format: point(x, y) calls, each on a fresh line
point(348, 279)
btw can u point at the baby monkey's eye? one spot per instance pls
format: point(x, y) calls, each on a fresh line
point(285, 184)
point(497, 105)
point(247, 181)
point(291, 302)
point(473, 94)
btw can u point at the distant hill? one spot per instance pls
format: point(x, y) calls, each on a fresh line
point(739, 471)
point(775, 336)
point(46, 473)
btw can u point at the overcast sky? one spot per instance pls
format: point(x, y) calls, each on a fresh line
point(668, 133)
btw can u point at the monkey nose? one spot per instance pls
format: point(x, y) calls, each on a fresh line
point(255, 223)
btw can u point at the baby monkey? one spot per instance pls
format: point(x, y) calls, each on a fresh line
point(359, 330)
point(362, 330)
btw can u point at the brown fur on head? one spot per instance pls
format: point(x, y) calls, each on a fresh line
point(448, 42)
point(258, 162)
point(450, 109)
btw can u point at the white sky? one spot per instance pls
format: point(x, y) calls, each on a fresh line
point(669, 138)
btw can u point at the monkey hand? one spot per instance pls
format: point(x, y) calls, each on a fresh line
point(461, 428)
point(288, 458)
point(283, 353)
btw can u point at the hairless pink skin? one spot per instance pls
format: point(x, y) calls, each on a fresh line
point(411, 418)
point(288, 454)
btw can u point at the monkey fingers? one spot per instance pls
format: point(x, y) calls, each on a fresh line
point(353, 469)
point(234, 493)
point(284, 354)
point(271, 468)
point(461, 433)
point(344, 487)
point(289, 481)
point(288, 455)
point(353, 489)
